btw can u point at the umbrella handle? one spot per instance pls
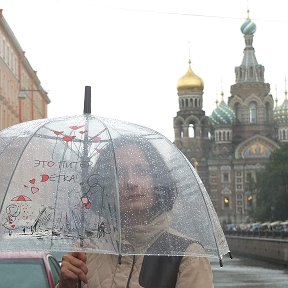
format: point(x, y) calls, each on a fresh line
point(87, 100)
point(79, 284)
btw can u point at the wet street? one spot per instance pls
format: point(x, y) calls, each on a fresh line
point(248, 273)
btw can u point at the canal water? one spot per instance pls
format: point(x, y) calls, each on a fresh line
point(248, 273)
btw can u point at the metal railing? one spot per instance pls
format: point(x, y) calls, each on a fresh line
point(261, 234)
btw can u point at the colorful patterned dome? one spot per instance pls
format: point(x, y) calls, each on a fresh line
point(248, 27)
point(222, 114)
point(281, 112)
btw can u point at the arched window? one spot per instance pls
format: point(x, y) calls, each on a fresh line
point(252, 112)
point(226, 202)
point(237, 110)
point(267, 112)
point(191, 130)
point(249, 201)
point(251, 72)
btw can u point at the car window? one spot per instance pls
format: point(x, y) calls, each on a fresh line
point(24, 273)
point(55, 269)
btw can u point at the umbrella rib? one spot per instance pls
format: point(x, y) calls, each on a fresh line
point(18, 160)
point(18, 133)
point(74, 140)
point(209, 216)
point(117, 188)
point(56, 197)
point(84, 157)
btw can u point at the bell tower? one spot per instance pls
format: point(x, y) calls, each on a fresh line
point(191, 125)
point(250, 96)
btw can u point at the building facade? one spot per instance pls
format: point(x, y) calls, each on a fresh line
point(22, 98)
point(228, 147)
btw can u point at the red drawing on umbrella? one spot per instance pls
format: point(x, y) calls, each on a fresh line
point(74, 137)
point(75, 127)
point(57, 132)
point(21, 198)
point(68, 138)
point(33, 188)
point(44, 178)
point(13, 211)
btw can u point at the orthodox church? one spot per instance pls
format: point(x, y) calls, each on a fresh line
point(228, 147)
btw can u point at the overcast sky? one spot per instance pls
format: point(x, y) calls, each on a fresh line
point(133, 52)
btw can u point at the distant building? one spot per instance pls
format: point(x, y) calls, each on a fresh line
point(22, 98)
point(231, 145)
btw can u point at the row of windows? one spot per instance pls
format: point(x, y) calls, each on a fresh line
point(226, 202)
point(192, 102)
point(258, 72)
point(248, 202)
point(225, 177)
point(223, 135)
point(8, 55)
point(193, 130)
point(253, 112)
point(283, 134)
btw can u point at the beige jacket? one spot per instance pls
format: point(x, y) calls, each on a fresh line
point(106, 272)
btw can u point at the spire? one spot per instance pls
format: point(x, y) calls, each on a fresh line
point(216, 101)
point(249, 70)
point(281, 112)
point(248, 17)
point(276, 98)
point(286, 97)
point(222, 96)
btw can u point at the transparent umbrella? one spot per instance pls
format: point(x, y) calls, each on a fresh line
point(87, 183)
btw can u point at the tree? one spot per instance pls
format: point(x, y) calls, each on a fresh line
point(272, 187)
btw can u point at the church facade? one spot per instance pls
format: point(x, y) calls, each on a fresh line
point(228, 147)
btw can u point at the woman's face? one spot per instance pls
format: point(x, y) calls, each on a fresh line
point(135, 180)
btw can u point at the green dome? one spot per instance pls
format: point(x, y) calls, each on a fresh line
point(222, 115)
point(248, 27)
point(281, 113)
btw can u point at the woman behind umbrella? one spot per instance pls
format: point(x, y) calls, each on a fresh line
point(147, 194)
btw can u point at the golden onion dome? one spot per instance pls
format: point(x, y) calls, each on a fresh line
point(190, 80)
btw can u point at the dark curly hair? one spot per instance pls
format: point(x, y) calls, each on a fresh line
point(164, 185)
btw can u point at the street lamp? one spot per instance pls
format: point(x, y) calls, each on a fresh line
point(23, 95)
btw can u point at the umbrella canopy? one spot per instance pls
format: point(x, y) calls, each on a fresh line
point(102, 185)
